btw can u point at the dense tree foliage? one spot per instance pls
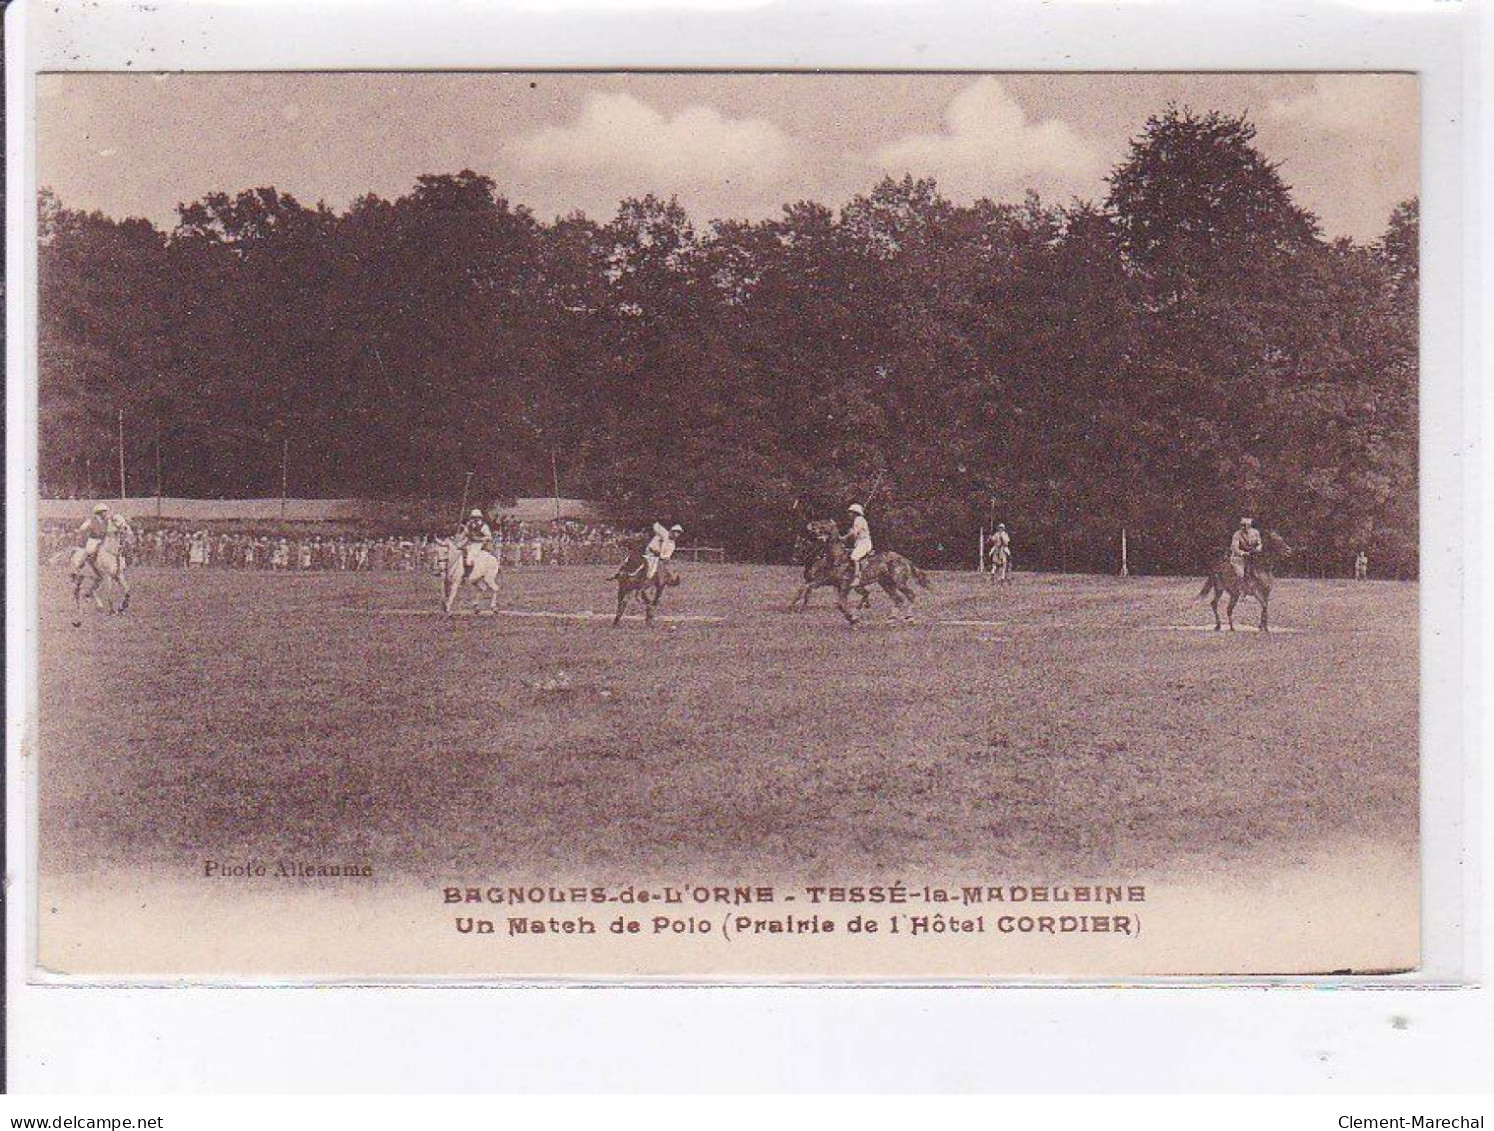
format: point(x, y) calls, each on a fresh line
point(1185, 351)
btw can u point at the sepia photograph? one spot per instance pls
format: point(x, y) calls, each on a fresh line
point(727, 526)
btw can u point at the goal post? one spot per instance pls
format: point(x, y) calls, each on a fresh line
point(713, 554)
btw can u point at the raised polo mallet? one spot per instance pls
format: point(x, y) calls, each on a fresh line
point(465, 488)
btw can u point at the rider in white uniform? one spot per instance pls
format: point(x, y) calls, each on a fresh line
point(94, 530)
point(475, 534)
point(1001, 552)
point(860, 540)
point(1243, 546)
point(661, 547)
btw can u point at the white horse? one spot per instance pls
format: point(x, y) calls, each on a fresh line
point(107, 569)
point(1001, 563)
point(451, 560)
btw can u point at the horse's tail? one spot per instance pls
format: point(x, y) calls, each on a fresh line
point(919, 576)
point(1208, 585)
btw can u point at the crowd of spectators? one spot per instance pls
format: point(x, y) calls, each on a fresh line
point(517, 544)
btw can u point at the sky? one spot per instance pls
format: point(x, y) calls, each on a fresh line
point(728, 145)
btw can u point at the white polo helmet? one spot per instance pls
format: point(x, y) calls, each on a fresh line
point(1247, 521)
point(100, 508)
point(676, 529)
point(857, 508)
point(475, 513)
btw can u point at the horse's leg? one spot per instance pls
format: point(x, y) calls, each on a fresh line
point(1264, 597)
point(1229, 611)
point(453, 585)
point(1214, 604)
point(649, 606)
point(903, 580)
point(899, 606)
point(622, 600)
point(124, 588)
point(843, 591)
point(77, 600)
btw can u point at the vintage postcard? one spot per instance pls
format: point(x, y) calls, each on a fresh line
point(727, 526)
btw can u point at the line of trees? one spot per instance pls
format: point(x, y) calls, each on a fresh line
point(1187, 350)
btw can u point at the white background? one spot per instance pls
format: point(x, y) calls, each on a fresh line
point(1056, 1039)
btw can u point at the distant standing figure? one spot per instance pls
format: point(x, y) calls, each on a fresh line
point(1361, 566)
point(1001, 554)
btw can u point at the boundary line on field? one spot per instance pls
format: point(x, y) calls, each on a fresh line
point(1008, 625)
point(539, 614)
point(1211, 628)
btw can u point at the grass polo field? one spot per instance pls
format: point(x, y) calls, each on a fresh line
point(1073, 722)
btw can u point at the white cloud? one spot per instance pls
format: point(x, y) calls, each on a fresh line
point(620, 135)
point(988, 144)
point(1348, 104)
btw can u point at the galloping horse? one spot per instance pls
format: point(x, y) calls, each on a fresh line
point(107, 569)
point(817, 569)
point(1256, 582)
point(451, 559)
point(1001, 563)
point(890, 570)
point(632, 577)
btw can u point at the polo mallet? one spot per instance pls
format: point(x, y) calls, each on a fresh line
point(465, 487)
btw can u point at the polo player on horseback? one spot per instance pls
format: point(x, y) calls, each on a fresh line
point(1001, 553)
point(660, 548)
point(94, 530)
point(1245, 544)
point(859, 538)
point(474, 535)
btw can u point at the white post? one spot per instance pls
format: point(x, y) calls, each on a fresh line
point(980, 552)
point(555, 484)
point(121, 459)
point(1125, 569)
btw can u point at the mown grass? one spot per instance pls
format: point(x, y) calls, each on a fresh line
point(232, 715)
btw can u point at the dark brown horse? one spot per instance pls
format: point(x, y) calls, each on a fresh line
point(1259, 574)
point(893, 572)
point(817, 569)
point(632, 577)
